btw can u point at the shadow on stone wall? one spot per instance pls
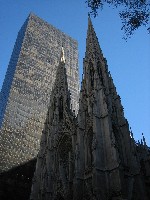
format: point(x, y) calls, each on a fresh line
point(15, 184)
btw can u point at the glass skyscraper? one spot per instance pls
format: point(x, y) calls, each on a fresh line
point(25, 93)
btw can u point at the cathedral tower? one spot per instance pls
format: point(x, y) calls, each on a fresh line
point(107, 164)
point(93, 156)
point(99, 167)
point(53, 177)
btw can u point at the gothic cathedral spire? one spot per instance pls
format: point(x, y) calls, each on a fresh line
point(92, 156)
point(92, 45)
point(99, 156)
point(54, 168)
point(103, 137)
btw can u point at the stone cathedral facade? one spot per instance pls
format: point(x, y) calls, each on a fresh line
point(92, 156)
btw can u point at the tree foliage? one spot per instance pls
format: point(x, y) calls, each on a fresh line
point(133, 13)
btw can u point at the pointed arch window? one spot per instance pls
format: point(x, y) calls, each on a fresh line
point(64, 154)
point(99, 71)
point(54, 106)
point(61, 108)
point(89, 156)
point(91, 74)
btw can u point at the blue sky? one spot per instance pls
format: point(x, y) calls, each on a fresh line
point(128, 62)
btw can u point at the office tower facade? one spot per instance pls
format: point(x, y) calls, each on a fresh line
point(26, 90)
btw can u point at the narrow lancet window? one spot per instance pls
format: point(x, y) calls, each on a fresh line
point(89, 158)
point(61, 108)
point(54, 107)
point(54, 104)
point(99, 71)
point(91, 74)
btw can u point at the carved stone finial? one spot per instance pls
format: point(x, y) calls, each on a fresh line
point(62, 59)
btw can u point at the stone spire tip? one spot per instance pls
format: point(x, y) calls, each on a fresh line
point(89, 19)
